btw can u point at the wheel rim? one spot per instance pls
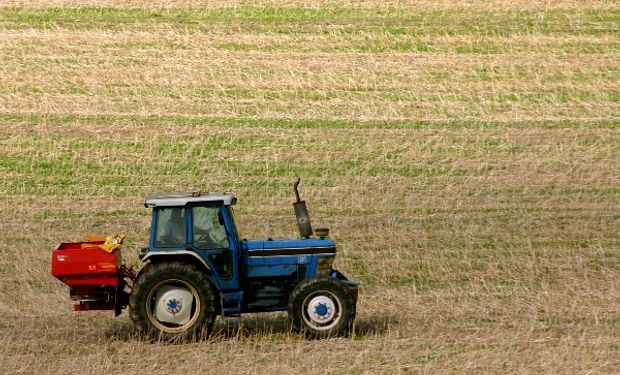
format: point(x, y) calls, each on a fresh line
point(321, 310)
point(169, 298)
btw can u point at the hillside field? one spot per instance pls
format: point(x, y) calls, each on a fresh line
point(464, 154)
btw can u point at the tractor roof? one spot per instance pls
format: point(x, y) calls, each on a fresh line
point(181, 199)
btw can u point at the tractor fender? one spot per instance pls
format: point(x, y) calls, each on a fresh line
point(177, 255)
point(353, 285)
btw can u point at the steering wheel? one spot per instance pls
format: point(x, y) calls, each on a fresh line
point(208, 239)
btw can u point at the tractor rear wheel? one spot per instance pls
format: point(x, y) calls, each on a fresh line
point(173, 301)
point(321, 307)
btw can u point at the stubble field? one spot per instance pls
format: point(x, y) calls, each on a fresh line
point(465, 155)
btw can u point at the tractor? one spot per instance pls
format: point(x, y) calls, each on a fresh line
point(197, 266)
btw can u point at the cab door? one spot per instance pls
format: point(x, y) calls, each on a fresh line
point(213, 236)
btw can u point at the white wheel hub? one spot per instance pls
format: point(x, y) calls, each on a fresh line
point(173, 304)
point(321, 310)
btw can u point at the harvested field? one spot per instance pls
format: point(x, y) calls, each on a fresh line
point(465, 155)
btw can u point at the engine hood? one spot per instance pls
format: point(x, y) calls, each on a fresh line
point(289, 247)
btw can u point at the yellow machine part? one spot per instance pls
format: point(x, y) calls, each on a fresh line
point(110, 243)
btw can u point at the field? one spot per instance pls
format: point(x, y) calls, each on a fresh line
point(465, 155)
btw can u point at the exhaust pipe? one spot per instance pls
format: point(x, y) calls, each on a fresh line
point(301, 213)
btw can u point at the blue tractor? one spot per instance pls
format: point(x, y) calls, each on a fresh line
point(197, 267)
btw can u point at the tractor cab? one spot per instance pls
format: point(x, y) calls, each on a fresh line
point(198, 227)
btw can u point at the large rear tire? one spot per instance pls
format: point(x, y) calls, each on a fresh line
point(321, 307)
point(173, 301)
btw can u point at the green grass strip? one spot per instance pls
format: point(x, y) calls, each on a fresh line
point(35, 119)
point(307, 20)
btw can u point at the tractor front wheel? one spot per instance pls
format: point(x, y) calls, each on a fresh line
point(173, 301)
point(321, 307)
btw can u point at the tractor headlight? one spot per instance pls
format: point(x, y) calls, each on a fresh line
point(324, 265)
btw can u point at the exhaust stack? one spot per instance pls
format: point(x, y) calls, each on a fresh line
point(301, 213)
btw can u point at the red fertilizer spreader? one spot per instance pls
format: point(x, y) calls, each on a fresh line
point(93, 271)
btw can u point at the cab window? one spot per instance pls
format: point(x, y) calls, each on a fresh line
point(170, 229)
point(208, 229)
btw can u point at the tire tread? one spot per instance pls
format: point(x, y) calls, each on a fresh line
point(157, 272)
point(308, 286)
